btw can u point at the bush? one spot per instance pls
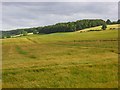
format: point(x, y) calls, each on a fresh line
point(8, 36)
point(24, 33)
point(104, 26)
point(35, 32)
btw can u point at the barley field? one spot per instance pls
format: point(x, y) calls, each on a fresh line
point(62, 60)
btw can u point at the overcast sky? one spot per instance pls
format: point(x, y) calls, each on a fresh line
point(32, 14)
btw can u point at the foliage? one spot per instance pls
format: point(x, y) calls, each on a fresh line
point(118, 21)
point(35, 32)
point(104, 26)
point(24, 33)
point(71, 26)
point(8, 36)
point(108, 21)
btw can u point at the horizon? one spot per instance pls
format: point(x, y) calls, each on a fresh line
point(49, 25)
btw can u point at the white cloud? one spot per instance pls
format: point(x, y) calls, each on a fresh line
point(31, 14)
point(60, 0)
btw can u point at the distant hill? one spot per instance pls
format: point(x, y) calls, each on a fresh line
point(59, 27)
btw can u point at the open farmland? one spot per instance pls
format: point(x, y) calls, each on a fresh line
point(62, 60)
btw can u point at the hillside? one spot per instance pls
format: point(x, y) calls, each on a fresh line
point(98, 28)
point(62, 60)
point(58, 27)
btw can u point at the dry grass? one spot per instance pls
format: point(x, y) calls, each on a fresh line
point(61, 60)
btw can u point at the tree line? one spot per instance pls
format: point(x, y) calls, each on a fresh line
point(60, 27)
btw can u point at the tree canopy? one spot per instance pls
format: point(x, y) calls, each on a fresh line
point(104, 26)
point(108, 21)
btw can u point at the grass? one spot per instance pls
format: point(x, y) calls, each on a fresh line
point(99, 27)
point(62, 60)
point(20, 51)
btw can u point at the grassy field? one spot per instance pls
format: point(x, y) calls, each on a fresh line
point(62, 60)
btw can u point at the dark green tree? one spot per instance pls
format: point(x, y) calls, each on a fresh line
point(8, 36)
point(35, 32)
point(108, 21)
point(24, 33)
point(118, 21)
point(104, 26)
point(2, 36)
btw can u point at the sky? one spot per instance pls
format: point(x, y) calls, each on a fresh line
point(33, 14)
